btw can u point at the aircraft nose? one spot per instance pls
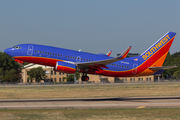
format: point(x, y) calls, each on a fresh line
point(8, 51)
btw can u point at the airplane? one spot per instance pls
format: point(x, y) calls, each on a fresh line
point(70, 61)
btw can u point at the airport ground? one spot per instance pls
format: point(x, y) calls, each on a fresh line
point(90, 91)
point(99, 101)
point(92, 114)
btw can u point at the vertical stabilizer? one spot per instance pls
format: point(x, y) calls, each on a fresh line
point(156, 54)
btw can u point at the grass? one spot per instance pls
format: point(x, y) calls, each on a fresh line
point(109, 90)
point(92, 114)
point(113, 90)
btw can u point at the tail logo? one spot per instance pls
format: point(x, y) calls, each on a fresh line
point(156, 47)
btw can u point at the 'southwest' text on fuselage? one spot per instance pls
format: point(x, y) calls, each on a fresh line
point(156, 47)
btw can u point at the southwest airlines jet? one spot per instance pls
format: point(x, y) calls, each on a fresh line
point(69, 61)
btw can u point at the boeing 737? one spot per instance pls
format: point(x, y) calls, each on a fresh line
point(69, 61)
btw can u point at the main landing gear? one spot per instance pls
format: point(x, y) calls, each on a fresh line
point(84, 77)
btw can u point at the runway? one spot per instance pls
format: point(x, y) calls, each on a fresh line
point(92, 103)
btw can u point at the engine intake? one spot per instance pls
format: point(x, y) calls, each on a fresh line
point(65, 67)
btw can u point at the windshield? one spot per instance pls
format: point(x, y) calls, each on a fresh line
point(17, 47)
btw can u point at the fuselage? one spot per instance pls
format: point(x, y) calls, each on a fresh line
point(48, 56)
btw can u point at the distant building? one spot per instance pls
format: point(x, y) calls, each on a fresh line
point(58, 77)
point(52, 76)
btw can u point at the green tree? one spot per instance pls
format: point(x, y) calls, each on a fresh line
point(70, 77)
point(9, 69)
point(7, 63)
point(172, 60)
point(176, 74)
point(37, 73)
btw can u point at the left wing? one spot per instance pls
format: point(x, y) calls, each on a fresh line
point(103, 63)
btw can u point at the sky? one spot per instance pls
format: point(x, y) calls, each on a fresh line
point(94, 26)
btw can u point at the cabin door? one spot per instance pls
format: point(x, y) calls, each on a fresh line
point(30, 50)
point(134, 71)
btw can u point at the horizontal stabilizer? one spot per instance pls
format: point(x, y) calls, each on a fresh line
point(162, 68)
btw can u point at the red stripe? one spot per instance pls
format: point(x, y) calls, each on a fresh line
point(39, 60)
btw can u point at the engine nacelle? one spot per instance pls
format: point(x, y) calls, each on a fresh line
point(65, 67)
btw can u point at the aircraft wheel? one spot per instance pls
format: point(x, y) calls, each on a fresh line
point(84, 78)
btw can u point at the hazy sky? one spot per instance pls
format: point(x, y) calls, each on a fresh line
point(95, 26)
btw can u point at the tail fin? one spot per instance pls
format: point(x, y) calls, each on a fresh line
point(156, 54)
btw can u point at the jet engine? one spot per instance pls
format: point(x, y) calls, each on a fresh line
point(65, 67)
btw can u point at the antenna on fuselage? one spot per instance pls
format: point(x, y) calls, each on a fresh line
point(79, 50)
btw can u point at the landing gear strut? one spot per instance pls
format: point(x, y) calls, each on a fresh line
point(84, 77)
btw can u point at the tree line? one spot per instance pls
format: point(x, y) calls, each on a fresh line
point(172, 60)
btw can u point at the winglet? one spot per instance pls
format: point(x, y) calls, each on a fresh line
point(124, 54)
point(109, 53)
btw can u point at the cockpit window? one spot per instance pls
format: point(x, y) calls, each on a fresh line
point(17, 47)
